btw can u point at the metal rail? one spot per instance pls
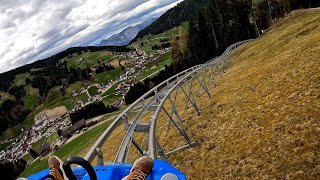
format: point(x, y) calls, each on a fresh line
point(153, 102)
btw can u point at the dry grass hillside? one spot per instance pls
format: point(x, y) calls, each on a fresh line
point(264, 119)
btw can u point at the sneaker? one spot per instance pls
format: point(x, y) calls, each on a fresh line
point(141, 168)
point(55, 164)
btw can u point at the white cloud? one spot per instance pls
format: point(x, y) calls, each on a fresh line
point(35, 29)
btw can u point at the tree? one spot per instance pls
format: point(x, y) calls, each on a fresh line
point(176, 53)
point(122, 68)
point(136, 92)
point(90, 111)
point(59, 132)
point(11, 170)
point(33, 153)
point(19, 167)
point(6, 171)
point(28, 81)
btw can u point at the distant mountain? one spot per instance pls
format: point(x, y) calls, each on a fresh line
point(125, 36)
point(173, 17)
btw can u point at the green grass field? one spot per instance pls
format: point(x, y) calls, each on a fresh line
point(93, 91)
point(53, 137)
point(4, 145)
point(31, 91)
point(148, 43)
point(83, 97)
point(30, 100)
point(185, 26)
point(53, 94)
point(77, 147)
point(111, 99)
point(88, 59)
point(74, 87)
point(5, 96)
point(150, 72)
point(111, 90)
point(21, 79)
point(105, 77)
point(61, 101)
point(165, 59)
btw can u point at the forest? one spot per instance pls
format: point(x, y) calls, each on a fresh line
point(91, 111)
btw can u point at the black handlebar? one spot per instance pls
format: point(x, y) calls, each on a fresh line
point(79, 161)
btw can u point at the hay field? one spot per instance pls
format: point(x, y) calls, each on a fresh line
point(264, 119)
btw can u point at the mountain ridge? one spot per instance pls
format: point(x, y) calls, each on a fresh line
point(126, 35)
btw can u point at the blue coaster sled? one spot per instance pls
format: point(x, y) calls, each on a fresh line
point(117, 172)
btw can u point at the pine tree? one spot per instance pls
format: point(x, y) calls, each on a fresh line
point(33, 153)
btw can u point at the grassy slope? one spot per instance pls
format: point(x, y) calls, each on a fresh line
point(264, 120)
point(154, 40)
point(91, 60)
point(53, 94)
point(74, 87)
point(111, 99)
point(5, 96)
point(21, 79)
point(105, 77)
point(30, 100)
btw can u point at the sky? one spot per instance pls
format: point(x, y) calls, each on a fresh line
point(32, 30)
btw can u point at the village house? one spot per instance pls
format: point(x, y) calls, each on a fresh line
point(44, 149)
point(41, 121)
point(70, 130)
